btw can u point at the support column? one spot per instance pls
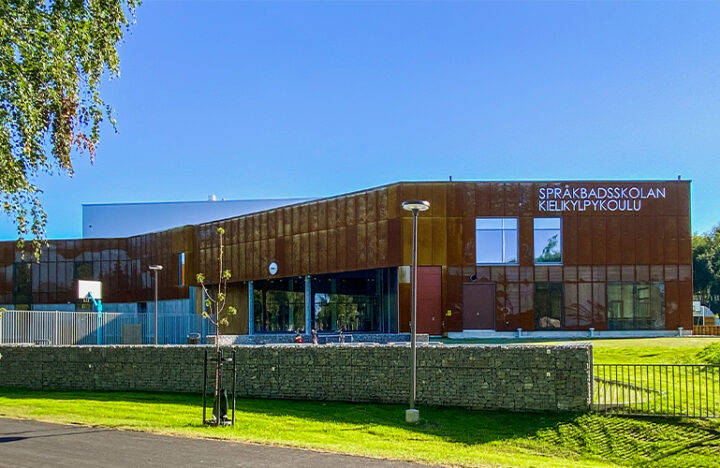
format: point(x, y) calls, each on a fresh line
point(308, 305)
point(291, 308)
point(251, 309)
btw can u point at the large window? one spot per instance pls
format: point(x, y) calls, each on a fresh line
point(279, 305)
point(548, 306)
point(496, 240)
point(357, 301)
point(547, 240)
point(636, 306)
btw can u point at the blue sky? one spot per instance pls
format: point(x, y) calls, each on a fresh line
point(310, 99)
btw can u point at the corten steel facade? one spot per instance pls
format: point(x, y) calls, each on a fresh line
point(621, 259)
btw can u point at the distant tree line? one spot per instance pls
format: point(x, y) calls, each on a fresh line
point(706, 268)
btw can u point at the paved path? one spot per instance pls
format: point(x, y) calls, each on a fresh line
point(36, 444)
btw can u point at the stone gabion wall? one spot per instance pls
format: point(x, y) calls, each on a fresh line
point(516, 377)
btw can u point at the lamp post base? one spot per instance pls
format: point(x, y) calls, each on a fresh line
point(412, 415)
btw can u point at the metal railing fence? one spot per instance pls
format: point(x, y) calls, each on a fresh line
point(81, 328)
point(682, 390)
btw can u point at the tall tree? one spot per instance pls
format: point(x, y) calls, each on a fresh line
point(53, 54)
point(706, 267)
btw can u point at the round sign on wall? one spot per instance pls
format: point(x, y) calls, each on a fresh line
point(273, 268)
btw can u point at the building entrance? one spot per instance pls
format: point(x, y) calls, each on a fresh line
point(479, 306)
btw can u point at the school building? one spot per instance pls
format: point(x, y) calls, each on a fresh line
point(494, 257)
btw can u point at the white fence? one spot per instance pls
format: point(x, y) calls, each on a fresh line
point(81, 328)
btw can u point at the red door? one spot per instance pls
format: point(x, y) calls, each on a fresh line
point(479, 306)
point(429, 300)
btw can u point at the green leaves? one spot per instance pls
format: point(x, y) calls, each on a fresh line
point(706, 267)
point(215, 301)
point(53, 54)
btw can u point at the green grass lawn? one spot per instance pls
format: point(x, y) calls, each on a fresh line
point(671, 350)
point(445, 436)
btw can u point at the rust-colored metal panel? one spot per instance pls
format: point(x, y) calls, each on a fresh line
point(280, 256)
point(642, 239)
point(263, 225)
point(657, 240)
point(297, 254)
point(467, 237)
point(439, 241)
point(341, 212)
point(584, 241)
point(685, 317)
point(512, 199)
point(361, 207)
point(314, 217)
point(351, 210)
point(672, 305)
point(613, 242)
point(341, 249)
point(395, 237)
point(426, 243)
point(497, 199)
point(670, 246)
point(314, 252)
point(526, 234)
point(438, 205)
point(371, 242)
point(627, 240)
point(479, 304)
point(570, 240)
point(383, 246)
point(371, 206)
point(332, 258)
point(429, 314)
point(482, 200)
point(323, 251)
point(351, 247)
point(272, 224)
point(305, 253)
point(361, 246)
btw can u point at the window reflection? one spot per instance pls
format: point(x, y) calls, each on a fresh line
point(279, 305)
point(636, 306)
point(496, 240)
point(548, 306)
point(547, 240)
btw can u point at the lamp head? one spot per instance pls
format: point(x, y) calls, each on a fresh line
point(156, 267)
point(416, 205)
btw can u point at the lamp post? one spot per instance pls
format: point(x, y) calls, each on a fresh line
point(414, 206)
point(156, 268)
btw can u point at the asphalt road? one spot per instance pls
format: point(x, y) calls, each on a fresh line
point(36, 444)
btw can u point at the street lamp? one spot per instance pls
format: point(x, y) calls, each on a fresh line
point(415, 206)
point(156, 268)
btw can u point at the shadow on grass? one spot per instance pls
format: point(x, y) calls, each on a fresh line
point(455, 425)
point(619, 438)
